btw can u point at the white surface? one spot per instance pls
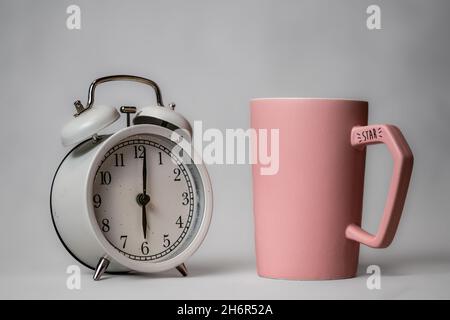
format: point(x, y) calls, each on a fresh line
point(403, 277)
point(211, 58)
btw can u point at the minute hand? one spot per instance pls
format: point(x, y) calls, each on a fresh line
point(144, 173)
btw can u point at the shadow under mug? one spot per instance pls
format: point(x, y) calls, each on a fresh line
point(308, 214)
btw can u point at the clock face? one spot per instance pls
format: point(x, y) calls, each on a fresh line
point(148, 202)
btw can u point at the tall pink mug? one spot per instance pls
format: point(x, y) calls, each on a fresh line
point(308, 213)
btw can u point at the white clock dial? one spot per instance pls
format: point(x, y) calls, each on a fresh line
point(148, 202)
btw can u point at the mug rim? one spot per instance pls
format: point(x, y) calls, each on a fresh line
point(310, 98)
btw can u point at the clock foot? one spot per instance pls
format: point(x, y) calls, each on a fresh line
point(102, 264)
point(182, 269)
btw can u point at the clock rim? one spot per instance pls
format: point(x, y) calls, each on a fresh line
point(110, 250)
point(78, 259)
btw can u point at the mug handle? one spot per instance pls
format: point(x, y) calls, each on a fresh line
point(403, 164)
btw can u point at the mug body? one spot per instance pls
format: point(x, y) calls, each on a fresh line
point(301, 212)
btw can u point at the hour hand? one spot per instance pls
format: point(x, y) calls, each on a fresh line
point(143, 199)
point(144, 221)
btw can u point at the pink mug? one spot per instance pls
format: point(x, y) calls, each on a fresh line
point(308, 214)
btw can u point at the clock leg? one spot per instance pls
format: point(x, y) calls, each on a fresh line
point(182, 269)
point(102, 264)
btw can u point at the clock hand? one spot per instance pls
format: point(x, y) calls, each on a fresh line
point(144, 173)
point(143, 200)
point(144, 221)
point(144, 192)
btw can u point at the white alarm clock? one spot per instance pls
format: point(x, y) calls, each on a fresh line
point(134, 200)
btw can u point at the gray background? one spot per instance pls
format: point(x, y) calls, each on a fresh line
point(211, 57)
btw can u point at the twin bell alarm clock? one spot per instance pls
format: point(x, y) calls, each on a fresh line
point(133, 200)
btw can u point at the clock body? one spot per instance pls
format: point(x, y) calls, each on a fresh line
point(135, 198)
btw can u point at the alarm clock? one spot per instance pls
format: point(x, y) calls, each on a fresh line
point(134, 200)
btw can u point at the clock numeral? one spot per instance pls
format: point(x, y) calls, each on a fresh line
point(105, 225)
point(124, 238)
point(185, 198)
point(97, 201)
point(177, 173)
point(139, 152)
point(119, 160)
point(179, 223)
point(105, 177)
point(144, 248)
point(166, 241)
point(160, 158)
